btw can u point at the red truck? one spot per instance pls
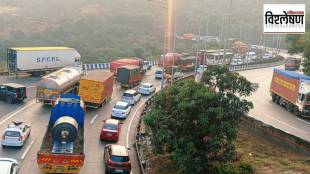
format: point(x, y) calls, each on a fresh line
point(292, 91)
point(123, 62)
point(170, 59)
point(292, 63)
point(129, 76)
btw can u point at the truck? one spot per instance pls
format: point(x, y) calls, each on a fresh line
point(292, 63)
point(129, 76)
point(62, 147)
point(96, 87)
point(292, 91)
point(173, 71)
point(188, 63)
point(170, 59)
point(51, 86)
point(114, 65)
point(39, 60)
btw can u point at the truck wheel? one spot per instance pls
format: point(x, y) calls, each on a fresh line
point(296, 111)
point(9, 99)
point(274, 97)
point(278, 98)
point(289, 107)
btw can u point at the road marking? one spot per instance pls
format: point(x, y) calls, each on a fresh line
point(10, 115)
point(93, 119)
point(289, 125)
point(303, 121)
point(130, 123)
point(26, 151)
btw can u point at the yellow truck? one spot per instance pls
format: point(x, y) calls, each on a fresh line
point(96, 87)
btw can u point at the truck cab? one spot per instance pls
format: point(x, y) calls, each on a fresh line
point(12, 92)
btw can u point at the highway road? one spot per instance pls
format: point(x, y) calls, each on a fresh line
point(38, 115)
point(269, 112)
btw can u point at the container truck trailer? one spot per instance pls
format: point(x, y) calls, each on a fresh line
point(129, 76)
point(62, 148)
point(38, 60)
point(59, 82)
point(114, 65)
point(96, 87)
point(292, 91)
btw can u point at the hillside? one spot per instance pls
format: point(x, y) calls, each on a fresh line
point(101, 29)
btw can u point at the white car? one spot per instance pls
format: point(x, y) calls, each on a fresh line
point(202, 68)
point(121, 110)
point(15, 134)
point(8, 166)
point(131, 96)
point(147, 89)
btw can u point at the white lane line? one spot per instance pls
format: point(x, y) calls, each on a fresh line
point(10, 115)
point(93, 119)
point(26, 151)
point(130, 123)
point(289, 126)
point(303, 121)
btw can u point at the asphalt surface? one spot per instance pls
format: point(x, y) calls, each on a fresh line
point(271, 113)
point(38, 115)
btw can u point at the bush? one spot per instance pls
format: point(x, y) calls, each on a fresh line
point(246, 168)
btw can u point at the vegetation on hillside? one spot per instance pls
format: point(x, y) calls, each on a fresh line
point(198, 126)
point(104, 30)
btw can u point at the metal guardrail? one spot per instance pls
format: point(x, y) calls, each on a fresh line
point(255, 66)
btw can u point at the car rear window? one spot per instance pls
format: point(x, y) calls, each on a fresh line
point(12, 134)
point(127, 95)
point(119, 158)
point(158, 72)
point(110, 126)
point(119, 107)
point(145, 86)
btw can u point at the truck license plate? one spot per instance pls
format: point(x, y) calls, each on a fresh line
point(119, 171)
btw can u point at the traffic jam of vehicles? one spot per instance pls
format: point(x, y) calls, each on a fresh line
point(71, 91)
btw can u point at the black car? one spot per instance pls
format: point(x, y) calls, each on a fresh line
point(12, 92)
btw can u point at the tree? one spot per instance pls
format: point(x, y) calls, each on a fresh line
point(197, 126)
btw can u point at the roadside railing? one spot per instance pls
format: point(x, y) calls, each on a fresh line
point(255, 66)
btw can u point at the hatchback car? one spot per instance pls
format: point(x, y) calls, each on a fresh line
point(12, 92)
point(16, 134)
point(131, 96)
point(121, 110)
point(116, 158)
point(146, 89)
point(8, 166)
point(110, 130)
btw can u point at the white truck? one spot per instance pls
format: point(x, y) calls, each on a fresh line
point(38, 60)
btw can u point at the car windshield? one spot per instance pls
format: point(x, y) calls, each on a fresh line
point(127, 95)
point(120, 158)
point(110, 126)
point(12, 133)
point(120, 107)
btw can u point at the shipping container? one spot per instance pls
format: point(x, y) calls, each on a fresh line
point(36, 60)
point(64, 153)
point(291, 90)
point(129, 76)
point(59, 82)
point(114, 65)
point(96, 87)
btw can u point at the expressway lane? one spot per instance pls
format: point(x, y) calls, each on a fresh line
point(269, 112)
point(29, 82)
point(93, 147)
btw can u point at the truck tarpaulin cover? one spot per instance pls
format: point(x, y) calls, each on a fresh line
point(286, 84)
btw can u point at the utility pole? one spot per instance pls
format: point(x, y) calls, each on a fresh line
point(205, 55)
point(198, 44)
point(226, 31)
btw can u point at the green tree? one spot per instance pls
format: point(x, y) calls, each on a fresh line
point(198, 126)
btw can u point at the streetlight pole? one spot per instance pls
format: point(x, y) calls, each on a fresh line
point(226, 31)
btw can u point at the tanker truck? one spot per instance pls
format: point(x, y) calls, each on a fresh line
point(292, 91)
point(62, 148)
point(59, 82)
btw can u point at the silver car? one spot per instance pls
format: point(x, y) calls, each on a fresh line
point(8, 166)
